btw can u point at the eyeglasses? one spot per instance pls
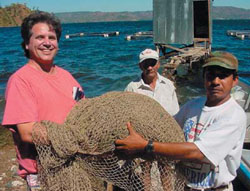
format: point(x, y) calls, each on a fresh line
point(149, 62)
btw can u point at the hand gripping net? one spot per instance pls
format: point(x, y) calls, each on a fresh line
point(80, 154)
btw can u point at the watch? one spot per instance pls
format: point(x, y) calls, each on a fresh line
point(149, 147)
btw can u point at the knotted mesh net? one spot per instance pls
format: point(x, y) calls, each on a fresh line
point(80, 154)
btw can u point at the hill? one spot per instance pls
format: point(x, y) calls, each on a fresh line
point(81, 17)
point(230, 13)
point(13, 15)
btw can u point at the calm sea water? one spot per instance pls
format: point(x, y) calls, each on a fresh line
point(107, 64)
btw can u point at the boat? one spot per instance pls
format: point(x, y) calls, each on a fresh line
point(244, 170)
point(183, 34)
point(242, 95)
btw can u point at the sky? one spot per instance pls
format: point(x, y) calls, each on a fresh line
point(105, 5)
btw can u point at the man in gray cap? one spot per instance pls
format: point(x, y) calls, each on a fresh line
point(152, 84)
point(214, 127)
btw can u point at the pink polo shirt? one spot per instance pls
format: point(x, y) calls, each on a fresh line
point(31, 96)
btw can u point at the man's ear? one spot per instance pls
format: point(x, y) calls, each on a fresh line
point(158, 64)
point(235, 81)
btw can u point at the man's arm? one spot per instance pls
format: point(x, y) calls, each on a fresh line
point(175, 103)
point(33, 132)
point(25, 131)
point(181, 151)
point(134, 143)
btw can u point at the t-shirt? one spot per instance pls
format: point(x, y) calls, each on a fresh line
point(164, 93)
point(219, 134)
point(32, 96)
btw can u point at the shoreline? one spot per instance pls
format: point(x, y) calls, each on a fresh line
point(113, 21)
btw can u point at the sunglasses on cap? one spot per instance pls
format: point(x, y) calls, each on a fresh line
point(149, 62)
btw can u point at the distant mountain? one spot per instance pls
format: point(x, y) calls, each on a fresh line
point(13, 15)
point(82, 17)
point(230, 13)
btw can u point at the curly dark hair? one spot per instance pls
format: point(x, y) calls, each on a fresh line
point(38, 17)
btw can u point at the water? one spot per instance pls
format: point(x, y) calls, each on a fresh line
point(107, 64)
point(99, 64)
point(240, 48)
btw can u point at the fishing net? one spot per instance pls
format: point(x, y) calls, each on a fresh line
point(80, 154)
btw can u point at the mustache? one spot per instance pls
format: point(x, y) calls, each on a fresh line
point(213, 85)
point(214, 88)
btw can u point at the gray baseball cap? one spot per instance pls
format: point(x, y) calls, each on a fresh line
point(222, 59)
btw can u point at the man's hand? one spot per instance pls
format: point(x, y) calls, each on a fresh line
point(134, 143)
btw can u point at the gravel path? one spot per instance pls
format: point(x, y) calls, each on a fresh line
point(9, 180)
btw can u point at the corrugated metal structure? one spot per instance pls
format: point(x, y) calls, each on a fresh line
point(182, 32)
point(181, 21)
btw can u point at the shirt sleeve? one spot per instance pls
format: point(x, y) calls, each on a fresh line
point(21, 106)
point(180, 116)
point(129, 87)
point(175, 102)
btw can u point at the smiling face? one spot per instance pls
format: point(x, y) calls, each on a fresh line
point(218, 83)
point(43, 44)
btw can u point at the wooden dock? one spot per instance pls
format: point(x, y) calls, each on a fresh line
point(240, 34)
point(188, 59)
point(83, 34)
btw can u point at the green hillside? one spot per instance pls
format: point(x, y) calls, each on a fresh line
point(13, 15)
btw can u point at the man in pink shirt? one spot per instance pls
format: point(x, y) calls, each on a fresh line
point(37, 91)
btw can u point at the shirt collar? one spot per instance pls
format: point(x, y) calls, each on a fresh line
point(160, 79)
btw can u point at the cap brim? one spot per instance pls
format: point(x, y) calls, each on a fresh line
point(142, 60)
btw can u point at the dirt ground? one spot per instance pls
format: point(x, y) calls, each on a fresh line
point(9, 180)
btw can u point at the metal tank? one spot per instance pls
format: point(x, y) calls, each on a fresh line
point(181, 21)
